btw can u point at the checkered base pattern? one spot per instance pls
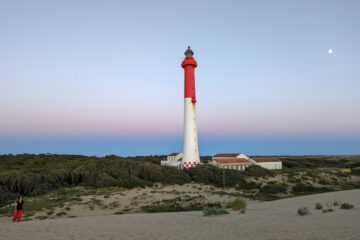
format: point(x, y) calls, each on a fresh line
point(189, 164)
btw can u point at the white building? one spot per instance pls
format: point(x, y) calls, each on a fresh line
point(229, 155)
point(271, 163)
point(237, 161)
point(231, 163)
point(240, 161)
point(173, 160)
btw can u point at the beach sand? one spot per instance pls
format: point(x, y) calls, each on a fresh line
point(265, 220)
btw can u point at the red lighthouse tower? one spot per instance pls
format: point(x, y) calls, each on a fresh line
point(191, 156)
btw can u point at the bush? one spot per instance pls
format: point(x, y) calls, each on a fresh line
point(327, 210)
point(318, 206)
point(355, 171)
point(273, 188)
point(239, 204)
point(59, 214)
point(346, 206)
point(303, 211)
point(257, 171)
point(249, 186)
point(209, 211)
point(208, 174)
point(302, 188)
point(336, 203)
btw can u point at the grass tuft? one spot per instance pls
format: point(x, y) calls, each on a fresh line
point(239, 204)
point(318, 206)
point(346, 206)
point(327, 210)
point(210, 211)
point(303, 211)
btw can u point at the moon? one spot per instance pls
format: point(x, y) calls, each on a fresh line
point(330, 51)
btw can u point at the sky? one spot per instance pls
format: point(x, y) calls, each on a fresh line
point(105, 77)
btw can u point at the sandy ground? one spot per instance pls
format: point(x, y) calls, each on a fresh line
point(267, 220)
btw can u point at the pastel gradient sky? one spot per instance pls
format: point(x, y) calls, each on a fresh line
point(104, 77)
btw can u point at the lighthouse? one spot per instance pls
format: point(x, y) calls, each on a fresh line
point(191, 156)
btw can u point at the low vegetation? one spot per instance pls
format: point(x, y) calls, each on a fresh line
point(303, 211)
point(318, 206)
point(346, 206)
point(313, 162)
point(273, 187)
point(302, 189)
point(239, 204)
point(178, 204)
point(64, 178)
point(210, 211)
point(327, 210)
point(336, 203)
point(32, 175)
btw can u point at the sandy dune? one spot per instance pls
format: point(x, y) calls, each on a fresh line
point(268, 220)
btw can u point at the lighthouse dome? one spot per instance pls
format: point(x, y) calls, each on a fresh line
point(189, 52)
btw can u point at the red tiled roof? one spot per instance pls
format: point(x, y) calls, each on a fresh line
point(232, 160)
point(227, 155)
point(173, 154)
point(266, 159)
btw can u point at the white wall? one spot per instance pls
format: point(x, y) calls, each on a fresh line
point(174, 158)
point(241, 155)
point(270, 165)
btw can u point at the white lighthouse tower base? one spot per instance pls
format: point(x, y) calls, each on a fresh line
point(191, 156)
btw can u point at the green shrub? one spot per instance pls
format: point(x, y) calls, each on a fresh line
point(208, 174)
point(327, 210)
point(356, 171)
point(50, 212)
point(346, 206)
point(273, 188)
point(31, 175)
point(257, 171)
point(318, 206)
point(59, 214)
point(249, 186)
point(209, 211)
point(302, 188)
point(239, 204)
point(178, 204)
point(303, 211)
point(119, 212)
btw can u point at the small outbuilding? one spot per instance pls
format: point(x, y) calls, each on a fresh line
point(231, 163)
point(271, 163)
point(229, 155)
point(173, 159)
point(240, 161)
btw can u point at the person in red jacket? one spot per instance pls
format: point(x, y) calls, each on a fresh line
point(18, 209)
